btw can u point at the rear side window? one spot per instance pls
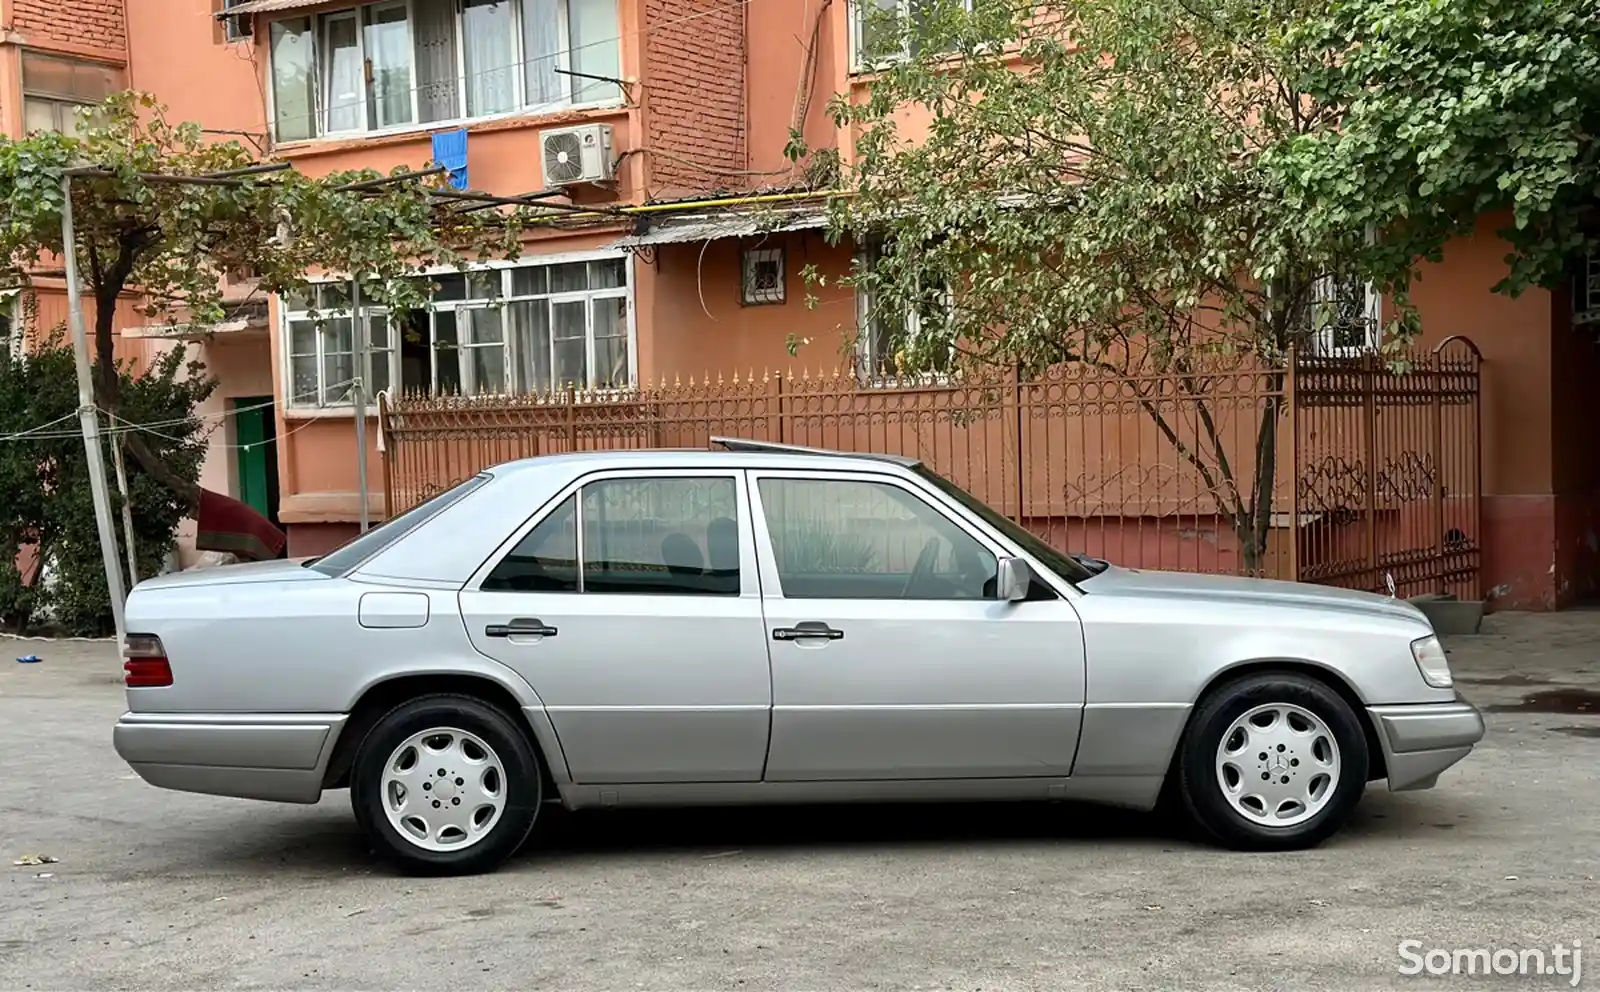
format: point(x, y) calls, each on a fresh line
point(650, 536)
point(661, 537)
point(375, 540)
point(546, 560)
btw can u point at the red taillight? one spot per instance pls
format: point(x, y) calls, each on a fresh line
point(146, 664)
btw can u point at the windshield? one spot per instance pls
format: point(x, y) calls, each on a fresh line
point(358, 550)
point(1073, 568)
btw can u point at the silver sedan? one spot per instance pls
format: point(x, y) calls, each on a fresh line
point(762, 624)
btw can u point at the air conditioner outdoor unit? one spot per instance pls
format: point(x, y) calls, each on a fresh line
point(572, 155)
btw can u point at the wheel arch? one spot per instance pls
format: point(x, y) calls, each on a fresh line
point(1328, 676)
point(383, 695)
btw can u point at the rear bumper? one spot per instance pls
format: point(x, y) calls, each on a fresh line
point(278, 757)
point(1420, 741)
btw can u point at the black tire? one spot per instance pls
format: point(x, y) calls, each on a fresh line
point(523, 785)
point(1198, 783)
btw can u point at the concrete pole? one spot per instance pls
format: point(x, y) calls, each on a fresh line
point(358, 390)
point(127, 511)
point(89, 418)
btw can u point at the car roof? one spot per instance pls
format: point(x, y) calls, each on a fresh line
point(736, 452)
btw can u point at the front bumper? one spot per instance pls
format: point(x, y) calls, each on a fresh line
point(1421, 740)
point(278, 757)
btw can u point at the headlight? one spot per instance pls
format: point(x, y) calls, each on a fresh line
point(1431, 662)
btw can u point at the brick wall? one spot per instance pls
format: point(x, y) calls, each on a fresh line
point(84, 27)
point(694, 81)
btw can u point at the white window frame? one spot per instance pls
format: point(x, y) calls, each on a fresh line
point(16, 345)
point(510, 341)
point(64, 106)
point(522, 108)
point(1324, 294)
point(749, 260)
point(867, 363)
point(859, 63)
point(238, 28)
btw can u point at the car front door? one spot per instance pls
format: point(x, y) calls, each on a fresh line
point(632, 607)
point(891, 656)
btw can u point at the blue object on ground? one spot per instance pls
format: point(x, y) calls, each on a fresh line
point(29, 659)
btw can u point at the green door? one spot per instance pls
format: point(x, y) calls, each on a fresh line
point(255, 434)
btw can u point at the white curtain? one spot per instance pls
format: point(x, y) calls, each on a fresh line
point(388, 44)
point(293, 80)
point(491, 56)
point(541, 51)
point(346, 83)
point(438, 98)
point(596, 50)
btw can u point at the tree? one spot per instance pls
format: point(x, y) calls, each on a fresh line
point(166, 242)
point(46, 481)
point(1448, 111)
point(1137, 184)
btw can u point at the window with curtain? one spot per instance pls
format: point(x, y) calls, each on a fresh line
point(529, 328)
point(405, 63)
point(294, 90)
point(54, 89)
point(889, 30)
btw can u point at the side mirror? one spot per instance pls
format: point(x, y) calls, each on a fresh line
point(1015, 578)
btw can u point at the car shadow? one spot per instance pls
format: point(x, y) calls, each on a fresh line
point(329, 841)
point(712, 831)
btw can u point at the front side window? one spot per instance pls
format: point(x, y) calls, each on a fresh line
point(534, 328)
point(54, 89)
point(657, 536)
point(853, 539)
point(1065, 565)
point(403, 63)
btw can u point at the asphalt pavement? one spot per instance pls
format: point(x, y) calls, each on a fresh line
point(159, 890)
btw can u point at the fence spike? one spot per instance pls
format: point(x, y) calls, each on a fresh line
point(677, 380)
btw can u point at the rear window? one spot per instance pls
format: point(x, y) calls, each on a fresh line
point(375, 540)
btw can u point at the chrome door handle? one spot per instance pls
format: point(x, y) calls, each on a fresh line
point(520, 626)
point(811, 630)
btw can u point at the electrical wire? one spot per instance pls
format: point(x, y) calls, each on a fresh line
point(39, 433)
point(33, 433)
point(146, 429)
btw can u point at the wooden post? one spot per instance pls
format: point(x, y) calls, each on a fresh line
point(1291, 402)
point(1022, 478)
point(386, 433)
point(572, 418)
point(1436, 382)
point(782, 427)
point(1369, 432)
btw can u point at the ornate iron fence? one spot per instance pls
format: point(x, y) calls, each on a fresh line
point(1335, 470)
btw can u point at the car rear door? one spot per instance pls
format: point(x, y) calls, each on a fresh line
point(883, 670)
point(632, 607)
